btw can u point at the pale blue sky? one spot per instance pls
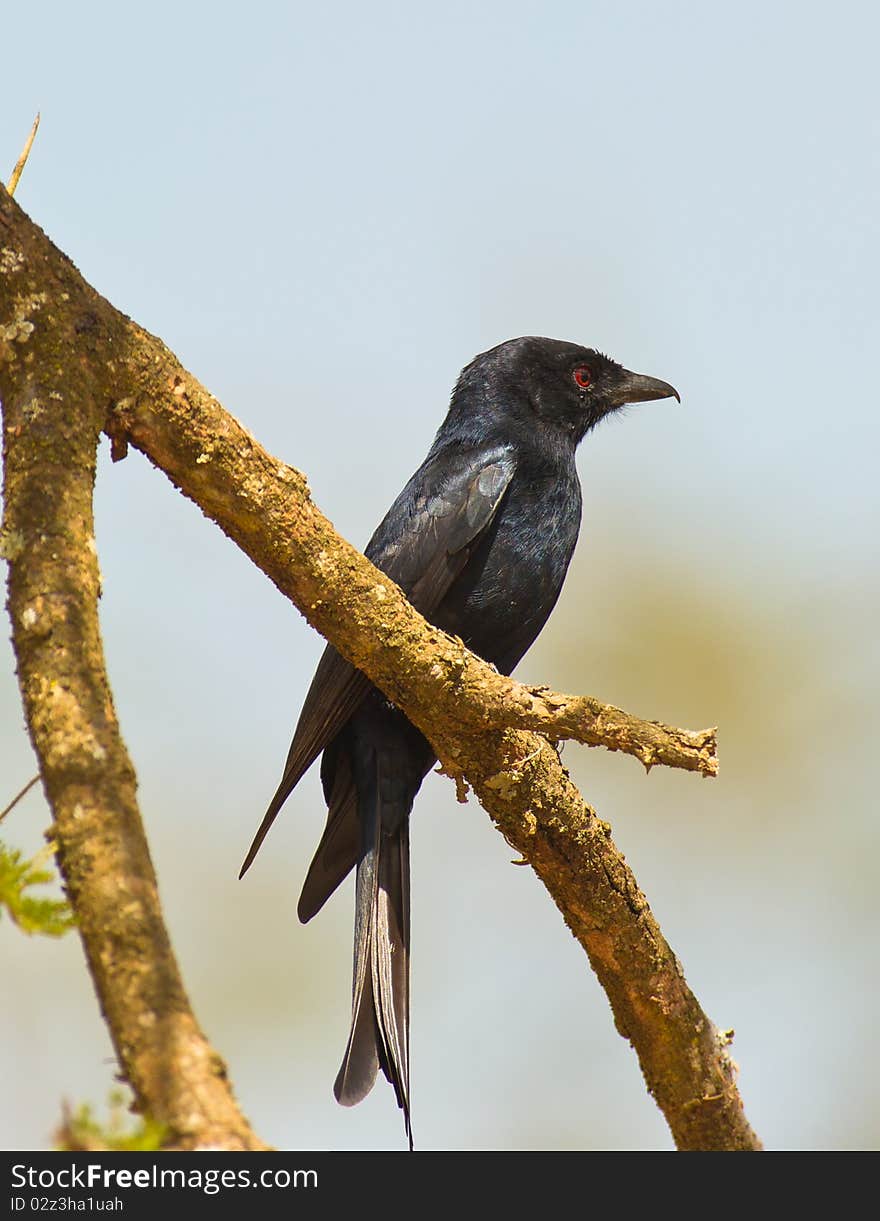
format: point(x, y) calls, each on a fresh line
point(325, 213)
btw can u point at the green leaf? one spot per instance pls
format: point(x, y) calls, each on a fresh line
point(80, 1131)
point(51, 917)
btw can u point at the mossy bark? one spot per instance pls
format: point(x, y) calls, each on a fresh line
point(53, 412)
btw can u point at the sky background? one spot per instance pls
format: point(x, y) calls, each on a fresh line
point(325, 211)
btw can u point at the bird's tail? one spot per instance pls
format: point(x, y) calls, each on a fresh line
point(379, 1035)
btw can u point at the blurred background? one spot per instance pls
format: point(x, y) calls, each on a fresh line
point(325, 211)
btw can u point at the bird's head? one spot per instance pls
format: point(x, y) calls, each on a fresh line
point(561, 384)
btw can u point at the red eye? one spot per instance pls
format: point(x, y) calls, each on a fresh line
point(583, 377)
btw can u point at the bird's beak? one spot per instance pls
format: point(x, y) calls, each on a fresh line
point(637, 388)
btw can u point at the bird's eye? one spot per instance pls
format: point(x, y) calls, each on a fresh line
point(583, 377)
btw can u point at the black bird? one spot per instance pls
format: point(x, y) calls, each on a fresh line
point(479, 540)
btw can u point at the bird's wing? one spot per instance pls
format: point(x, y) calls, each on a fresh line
point(423, 544)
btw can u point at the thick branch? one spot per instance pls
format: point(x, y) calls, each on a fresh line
point(462, 705)
point(53, 413)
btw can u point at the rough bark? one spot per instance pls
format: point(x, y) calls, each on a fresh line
point(64, 349)
point(53, 413)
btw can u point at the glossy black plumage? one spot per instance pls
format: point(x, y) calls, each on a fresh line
point(480, 540)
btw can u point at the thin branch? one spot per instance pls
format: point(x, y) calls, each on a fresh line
point(18, 796)
point(508, 704)
point(266, 508)
point(22, 161)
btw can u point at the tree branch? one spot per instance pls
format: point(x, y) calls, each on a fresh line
point(471, 715)
point(53, 412)
point(266, 508)
point(7, 809)
point(18, 168)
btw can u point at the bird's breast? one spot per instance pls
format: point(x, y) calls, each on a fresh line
point(511, 583)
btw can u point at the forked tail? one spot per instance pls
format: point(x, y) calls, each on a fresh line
point(379, 1035)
